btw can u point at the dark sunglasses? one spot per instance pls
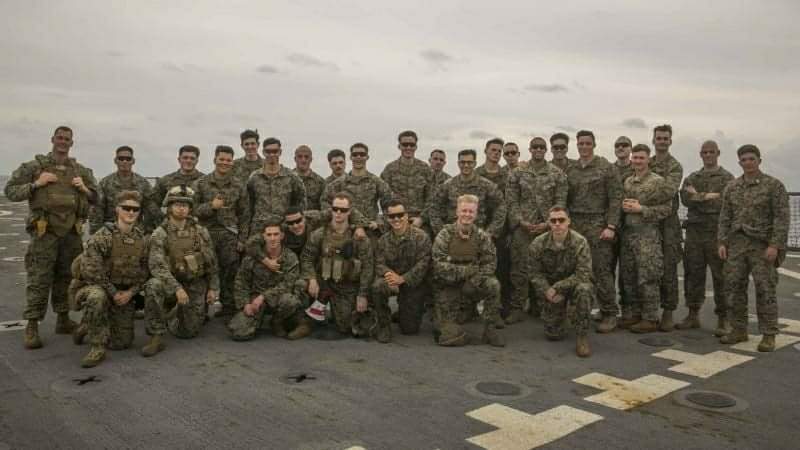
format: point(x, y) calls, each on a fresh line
point(339, 210)
point(130, 208)
point(559, 147)
point(293, 222)
point(396, 216)
point(124, 158)
point(538, 147)
point(510, 153)
point(408, 144)
point(622, 144)
point(556, 220)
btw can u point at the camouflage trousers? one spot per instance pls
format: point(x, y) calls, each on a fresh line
point(451, 299)
point(624, 298)
point(521, 292)
point(590, 226)
point(673, 252)
point(188, 319)
point(642, 266)
point(702, 251)
point(342, 298)
point(746, 257)
point(282, 307)
point(503, 270)
point(47, 263)
point(576, 305)
point(410, 302)
point(225, 248)
point(108, 323)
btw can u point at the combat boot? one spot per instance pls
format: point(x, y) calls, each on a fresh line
point(767, 343)
point(153, 346)
point(628, 320)
point(302, 329)
point(384, 334)
point(666, 324)
point(32, 340)
point(723, 326)
point(582, 348)
point(515, 316)
point(692, 320)
point(608, 324)
point(493, 337)
point(96, 354)
point(64, 325)
point(80, 333)
point(277, 327)
point(734, 337)
point(644, 326)
point(451, 335)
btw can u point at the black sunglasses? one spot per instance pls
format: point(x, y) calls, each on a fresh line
point(395, 216)
point(556, 220)
point(538, 147)
point(130, 208)
point(510, 153)
point(294, 222)
point(340, 210)
point(408, 144)
point(622, 144)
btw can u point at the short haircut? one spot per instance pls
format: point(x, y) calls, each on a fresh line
point(271, 141)
point(407, 133)
point(584, 133)
point(558, 209)
point(63, 128)
point(294, 209)
point(748, 148)
point(539, 138)
point(625, 138)
point(666, 127)
point(189, 149)
point(509, 144)
point(468, 151)
point(344, 195)
point(467, 198)
point(223, 149)
point(711, 143)
point(438, 150)
point(359, 145)
point(496, 140)
point(273, 222)
point(128, 195)
point(249, 134)
point(557, 136)
point(395, 202)
point(336, 153)
point(641, 148)
point(302, 148)
point(124, 148)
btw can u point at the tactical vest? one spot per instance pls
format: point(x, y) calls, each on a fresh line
point(63, 206)
point(185, 253)
point(127, 255)
point(463, 251)
point(339, 261)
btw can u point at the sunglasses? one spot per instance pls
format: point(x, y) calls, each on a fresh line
point(336, 209)
point(408, 144)
point(396, 216)
point(622, 144)
point(538, 147)
point(511, 153)
point(293, 222)
point(559, 147)
point(130, 208)
point(358, 155)
point(556, 220)
point(125, 158)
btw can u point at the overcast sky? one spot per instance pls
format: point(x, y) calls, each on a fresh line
point(156, 75)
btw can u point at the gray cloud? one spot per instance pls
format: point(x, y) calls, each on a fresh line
point(266, 68)
point(546, 88)
point(634, 122)
point(567, 128)
point(302, 59)
point(436, 58)
point(480, 134)
point(180, 68)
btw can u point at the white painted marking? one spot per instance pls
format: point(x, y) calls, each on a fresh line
point(792, 255)
point(518, 430)
point(13, 325)
point(709, 293)
point(13, 259)
point(624, 394)
point(2, 248)
point(24, 242)
point(9, 234)
point(702, 366)
point(17, 224)
point(680, 278)
point(357, 447)
point(781, 340)
point(790, 325)
point(789, 273)
point(797, 294)
point(6, 213)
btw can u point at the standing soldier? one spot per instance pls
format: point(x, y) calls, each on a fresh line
point(666, 166)
point(337, 161)
point(646, 202)
point(251, 161)
point(531, 193)
point(594, 203)
point(124, 179)
point(702, 195)
point(491, 169)
point(185, 273)
point(511, 156)
point(558, 145)
point(464, 263)
point(622, 150)
point(221, 207)
point(313, 183)
point(402, 259)
point(188, 155)
point(437, 160)
point(561, 274)
point(59, 191)
point(410, 178)
point(753, 232)
point(114, 268)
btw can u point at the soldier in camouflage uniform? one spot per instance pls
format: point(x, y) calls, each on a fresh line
point(464, 262)
point(59, 191)
point(559, 143)
point(646, 202)
point(124, 179)
point(753, 233)
point(185, 273)
point(561, 274)
point(188, 155)
point(410, 178)
point(271, 191)
point(594, 203)
point(221, 206)
point(313, 183)
point(531, 191)
point(339, 268)
point(492, 213)
point(337, 161)
point(437, 161)
point(702, 195)
point(114, 270)
point(402, 259)
point(269, 288)
point(251, 161)
point(511, 157)
point(622, 150)
point(666, 166)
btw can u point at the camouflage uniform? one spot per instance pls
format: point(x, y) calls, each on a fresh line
point(314, 185)
point(503, 271)
point(368, 191)
point(562, 164)
point(567, 268)
point(672, 172)
point(491, 209)
point(754, 215)
point(56, 216)
point(113, 261)
point(269, 196)
point(169, 181)
point(408, 255)
point(438, 179)
point(641, 258)
point(223, 225)
point(411, 182)
point(595, 199)
point(254, 279)
point(243, 168)
point(112, 185)
point(171, 250)
point(530, 193)
point(701, 248)
point(624, 172)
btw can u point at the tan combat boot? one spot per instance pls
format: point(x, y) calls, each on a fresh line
point(628, 320)
point(96, 354)
point(153, 346)
point(32, 340)
point(734, 337)
point(767, 343)
point(302, 329)
point(277, 327)
point(515, 316)
point(692, 320)
point(451, 335)
point(607, 324)
point(493, 337)
point(582, 348)
point(80, 333)
point(644, 326)
point(667, 324)
point(64, 325)
point(723, 326)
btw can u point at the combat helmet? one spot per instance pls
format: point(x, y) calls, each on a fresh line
point(181, 193)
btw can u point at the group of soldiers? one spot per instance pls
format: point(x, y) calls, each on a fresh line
point(553, 237)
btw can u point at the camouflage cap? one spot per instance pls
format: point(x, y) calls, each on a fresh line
point(180, 193)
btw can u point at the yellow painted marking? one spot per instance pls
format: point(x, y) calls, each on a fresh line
point(518, 430)
point(702, 366)
point(624, 394)
point(781, 340)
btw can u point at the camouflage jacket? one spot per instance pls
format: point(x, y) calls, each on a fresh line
point(491, 206)
point(254, 279)
point(169, 181)
point(531, 192)
point(595, 189)
point(672, 172)
point(499, 178)
point(562, 164)
point(561, 268)
point(233, 213)
point(270, 197)
point(362, 250)
point(112, 185)
point(411, 182)
point(96, 263)
point(243, 168)
point(653, 194)
point(368, 191)
point(314, 185)
point(408, 255)
point(159, 258)
point(623, 171)
point(449, 272)
point(702, 212)
point(438, 178)
point(759, 208)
